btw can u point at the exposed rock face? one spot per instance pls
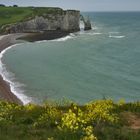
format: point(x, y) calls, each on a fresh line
point(87, 25)
point(66, 21)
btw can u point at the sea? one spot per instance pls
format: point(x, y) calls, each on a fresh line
point(83, 66)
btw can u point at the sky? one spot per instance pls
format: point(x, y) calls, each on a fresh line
point(82, 5)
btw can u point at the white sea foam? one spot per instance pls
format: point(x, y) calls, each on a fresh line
point(9, 77)
point(64, 38)
point(93, 28)
point(116, 36)
point(70, 36)
point(95, 33)
point(89, 33)
point(41, 41)
point(114, 32)
point(81, 26)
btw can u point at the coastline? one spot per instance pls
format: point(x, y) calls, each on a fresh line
point(5, 90)
point(12, 39)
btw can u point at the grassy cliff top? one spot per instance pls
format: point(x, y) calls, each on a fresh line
point(10, 15)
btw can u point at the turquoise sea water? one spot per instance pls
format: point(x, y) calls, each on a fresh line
point(103, 62)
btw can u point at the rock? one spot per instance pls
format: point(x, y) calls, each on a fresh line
point(87, 25)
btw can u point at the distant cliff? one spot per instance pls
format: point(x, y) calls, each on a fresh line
point(64, 21)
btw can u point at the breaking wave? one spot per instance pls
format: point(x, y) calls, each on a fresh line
point(64, 38)
point(115, 35)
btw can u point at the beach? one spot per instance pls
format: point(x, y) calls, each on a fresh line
point(11, 39)
point(5, 91)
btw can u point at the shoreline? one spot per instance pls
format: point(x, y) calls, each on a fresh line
point(5, 90)
point(12, 39)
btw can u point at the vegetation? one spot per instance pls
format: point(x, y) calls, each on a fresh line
point(15, 14)
point(98, 120)
point(2, 5)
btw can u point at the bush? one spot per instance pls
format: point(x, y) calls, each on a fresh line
point(2, 5)
point(15, 5)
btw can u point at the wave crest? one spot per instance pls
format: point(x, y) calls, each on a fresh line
point(116, 36)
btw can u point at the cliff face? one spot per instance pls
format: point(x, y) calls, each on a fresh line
point(66, 21)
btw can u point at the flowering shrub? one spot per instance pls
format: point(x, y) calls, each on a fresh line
point(50, 138)
point(9, 111)
point(88, 133)
point(30, 107)
point(102, 110)
point(74, 120)
point(50, 117)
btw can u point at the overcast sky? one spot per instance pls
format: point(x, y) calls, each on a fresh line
point(83, 5)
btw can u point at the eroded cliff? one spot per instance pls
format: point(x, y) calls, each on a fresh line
point(65, 21)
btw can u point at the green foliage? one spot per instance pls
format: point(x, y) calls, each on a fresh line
point(133, 107)
point(42, 10)
point(101, 111)
point(49, 118)
point(11, 15)
point(51, 121)
point(10, 111)
point(73, 120)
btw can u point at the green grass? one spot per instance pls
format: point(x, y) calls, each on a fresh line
point(102, 120)
point(10, 15)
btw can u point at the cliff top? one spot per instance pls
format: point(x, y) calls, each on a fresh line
point(10, 15)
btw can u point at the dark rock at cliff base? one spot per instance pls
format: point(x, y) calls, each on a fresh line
point(48, 35)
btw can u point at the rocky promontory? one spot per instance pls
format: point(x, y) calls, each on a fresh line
point(65, 21)
point(40, 20)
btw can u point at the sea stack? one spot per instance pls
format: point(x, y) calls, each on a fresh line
point(87, 23)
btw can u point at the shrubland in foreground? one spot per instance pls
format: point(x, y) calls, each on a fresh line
point(97, 120)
